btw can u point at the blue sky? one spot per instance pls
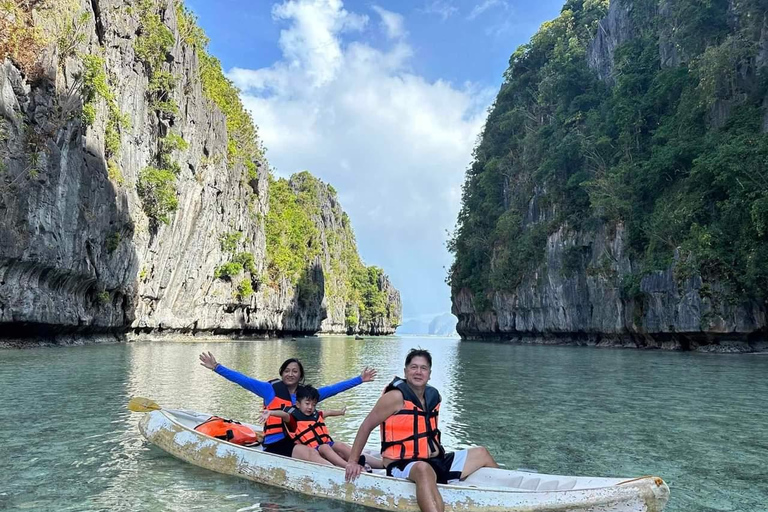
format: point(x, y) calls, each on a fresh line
point(383, 100)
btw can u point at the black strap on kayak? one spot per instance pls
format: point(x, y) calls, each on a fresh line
point(229, 435)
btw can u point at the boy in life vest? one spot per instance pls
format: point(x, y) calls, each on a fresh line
point(306, 426)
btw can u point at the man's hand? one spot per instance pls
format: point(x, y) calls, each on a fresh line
point(343, 410)
point(368, 374)
point(207, 360)
point(353, 471)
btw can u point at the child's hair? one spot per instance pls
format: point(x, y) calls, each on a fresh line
point(307, 392)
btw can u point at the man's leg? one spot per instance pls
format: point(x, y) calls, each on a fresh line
point(477, 457)
point(344, 450)
point(329, 454)
point(303, 452)
point(427, 494)
point(374, 462)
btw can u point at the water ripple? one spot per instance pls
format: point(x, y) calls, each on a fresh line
point(700, 421)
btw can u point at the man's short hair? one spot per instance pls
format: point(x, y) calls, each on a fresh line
point(418, 352)
point(307, 392)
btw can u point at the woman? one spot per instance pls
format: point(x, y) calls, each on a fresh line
point(281, 393)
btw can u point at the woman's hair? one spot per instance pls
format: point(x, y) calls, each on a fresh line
point(307, 392)
point(289, 361)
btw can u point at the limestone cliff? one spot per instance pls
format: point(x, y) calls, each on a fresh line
point(354, 299)
point(595, 211)
point(133, 190)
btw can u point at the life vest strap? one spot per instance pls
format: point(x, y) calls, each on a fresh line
point(316, 438)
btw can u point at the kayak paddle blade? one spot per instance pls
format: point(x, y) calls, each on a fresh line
point(139, 404)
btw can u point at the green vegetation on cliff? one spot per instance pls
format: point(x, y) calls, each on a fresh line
point(294, 242)
point(243, 145)
point(20, 40)
point(157, 185)
point(674, 153)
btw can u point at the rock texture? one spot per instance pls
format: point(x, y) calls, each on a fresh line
point(443, 325)
point(591, 307)
point(615, 29)
point(77, 252)
point(593, 304)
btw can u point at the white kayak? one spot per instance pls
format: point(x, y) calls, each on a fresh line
point(492, 490)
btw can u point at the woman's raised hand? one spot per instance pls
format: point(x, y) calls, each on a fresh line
point(368, 374)
point(207, 360)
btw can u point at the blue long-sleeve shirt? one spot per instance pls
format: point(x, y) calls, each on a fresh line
point(265, 390)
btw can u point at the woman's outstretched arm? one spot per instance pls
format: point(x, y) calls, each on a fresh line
point(368, 375)
point(261, 388)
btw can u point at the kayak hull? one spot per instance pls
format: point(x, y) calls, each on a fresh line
point(491, 490)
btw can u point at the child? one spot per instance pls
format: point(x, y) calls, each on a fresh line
point(306, 425)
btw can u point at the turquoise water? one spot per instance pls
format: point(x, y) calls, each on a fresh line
point(699, 421)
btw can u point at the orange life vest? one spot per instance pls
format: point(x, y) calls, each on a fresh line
point(228, 430)
point(282, 401)
point(411, 433)
point(310, 430)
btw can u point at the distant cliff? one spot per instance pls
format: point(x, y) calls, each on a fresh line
point(306, 223)
point(618, 195)
point(133, 188)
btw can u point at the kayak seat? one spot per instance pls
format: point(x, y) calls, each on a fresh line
point(547, 485)
point(487, 477)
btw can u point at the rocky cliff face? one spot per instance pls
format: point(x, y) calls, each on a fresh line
point(590, 307)
point(86, 159)
point(615, 29)
point(587, 288)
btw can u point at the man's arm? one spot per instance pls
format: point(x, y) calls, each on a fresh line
point(389, 404)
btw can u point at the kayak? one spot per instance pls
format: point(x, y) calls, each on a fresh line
point(488, 489)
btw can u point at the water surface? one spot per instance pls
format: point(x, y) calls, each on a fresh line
point(67, 443)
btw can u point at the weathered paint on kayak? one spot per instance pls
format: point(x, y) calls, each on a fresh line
point(161, 428)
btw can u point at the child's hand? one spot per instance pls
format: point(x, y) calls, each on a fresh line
point(264, 415)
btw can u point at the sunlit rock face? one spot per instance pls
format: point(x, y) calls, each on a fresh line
point(78, 251)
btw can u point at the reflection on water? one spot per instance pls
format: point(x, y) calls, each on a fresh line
point(68, 443)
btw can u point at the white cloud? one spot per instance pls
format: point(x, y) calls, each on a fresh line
point(443, 8)
point(392, 22)
point(311, 43)
point(393, 144)
point(482, 7)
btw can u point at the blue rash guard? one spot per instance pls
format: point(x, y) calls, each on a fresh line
point(265, 391)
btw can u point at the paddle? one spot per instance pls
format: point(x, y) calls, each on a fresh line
point(139, 404)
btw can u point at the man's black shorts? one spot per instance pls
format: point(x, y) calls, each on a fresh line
point(447, 468)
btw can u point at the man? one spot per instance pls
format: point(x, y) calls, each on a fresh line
point(410, 440)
